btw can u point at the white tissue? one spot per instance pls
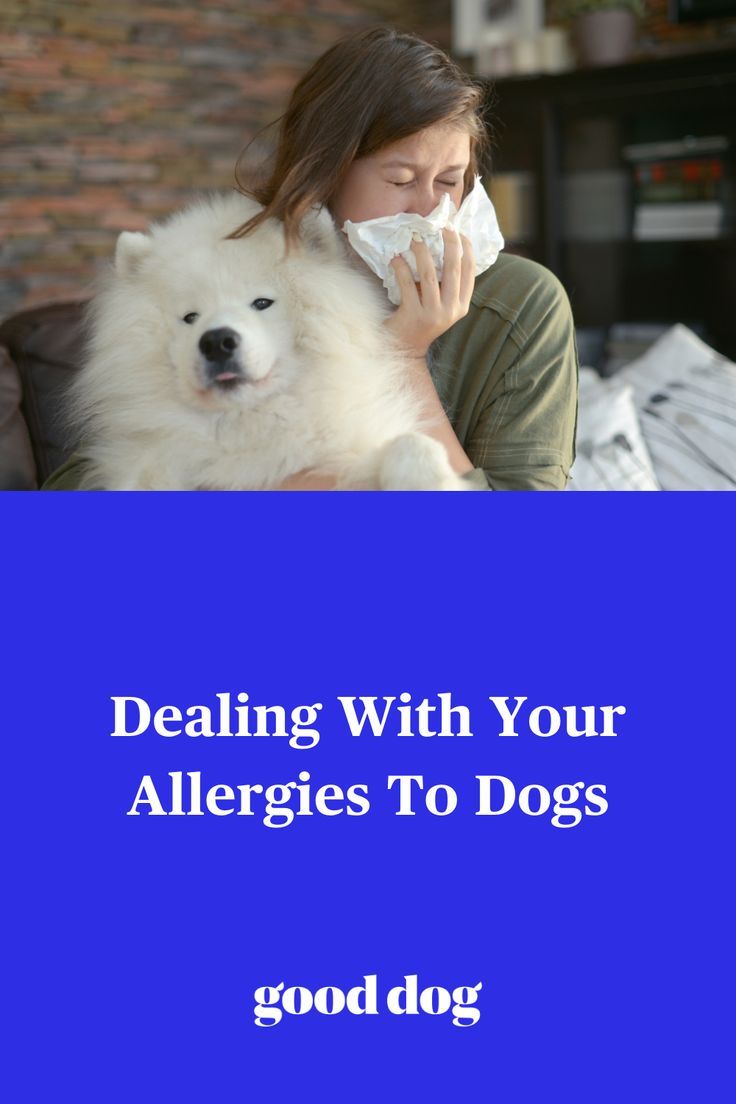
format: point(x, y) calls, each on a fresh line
point(379, 240)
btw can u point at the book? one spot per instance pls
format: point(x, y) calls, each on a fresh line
point(678, 221)
point(595, 206)
point(681, 180)
point(681, 147)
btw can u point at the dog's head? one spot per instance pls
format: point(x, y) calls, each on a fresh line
point(220, 313)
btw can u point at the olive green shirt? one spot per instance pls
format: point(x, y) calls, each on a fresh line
point(507, 375)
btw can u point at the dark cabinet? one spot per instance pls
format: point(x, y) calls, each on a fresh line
point(621, 180)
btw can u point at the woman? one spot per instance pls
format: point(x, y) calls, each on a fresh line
point(384, 123)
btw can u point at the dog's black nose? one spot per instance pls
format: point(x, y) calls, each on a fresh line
point(219, 345)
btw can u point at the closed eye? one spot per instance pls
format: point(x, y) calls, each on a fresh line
point(262, 304)
point(190, 318)
point(408, 183)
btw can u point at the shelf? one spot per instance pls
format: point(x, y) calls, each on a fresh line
point(577, 143)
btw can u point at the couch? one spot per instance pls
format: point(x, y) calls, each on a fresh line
point(39, 351)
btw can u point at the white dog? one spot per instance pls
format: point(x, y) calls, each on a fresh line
point(233, 364)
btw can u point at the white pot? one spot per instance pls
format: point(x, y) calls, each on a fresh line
point(605, 37)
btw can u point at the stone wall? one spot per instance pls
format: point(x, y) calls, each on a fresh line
point(113, 114)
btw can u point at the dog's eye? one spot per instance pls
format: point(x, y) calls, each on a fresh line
point(262, 304)
point(190, 318)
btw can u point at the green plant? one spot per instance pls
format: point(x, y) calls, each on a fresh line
point(568, 9)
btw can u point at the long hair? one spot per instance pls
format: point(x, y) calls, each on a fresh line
point(366, 92)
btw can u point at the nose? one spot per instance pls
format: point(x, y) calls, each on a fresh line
point(422, 202)
point(218, 346)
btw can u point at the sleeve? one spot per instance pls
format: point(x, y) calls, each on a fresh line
point(477, 480)
point(524, 434)
point(68, 477)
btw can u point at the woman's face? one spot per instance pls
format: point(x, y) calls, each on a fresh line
point(410, 176)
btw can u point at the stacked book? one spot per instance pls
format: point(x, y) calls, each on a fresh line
point(595, 206)
point(679, 189)
point(513, 195)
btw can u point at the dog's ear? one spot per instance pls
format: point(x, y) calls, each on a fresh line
point(319, 233)
point(132, 247)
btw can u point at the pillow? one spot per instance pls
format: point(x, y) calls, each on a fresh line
point(45, 344)
point(610, 452)
point(17, 466)
point(685, 394)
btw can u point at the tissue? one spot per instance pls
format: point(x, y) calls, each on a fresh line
point(379, 240)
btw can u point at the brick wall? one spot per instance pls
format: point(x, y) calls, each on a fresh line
point(114, 113)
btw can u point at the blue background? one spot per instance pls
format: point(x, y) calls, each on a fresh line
point(605, 950)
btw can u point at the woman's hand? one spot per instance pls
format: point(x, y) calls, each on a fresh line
point(426, 311)
point(429, 308)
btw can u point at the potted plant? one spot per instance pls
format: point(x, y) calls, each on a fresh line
point(604, 31)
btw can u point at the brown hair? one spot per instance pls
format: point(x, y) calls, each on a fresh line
point(366, 92)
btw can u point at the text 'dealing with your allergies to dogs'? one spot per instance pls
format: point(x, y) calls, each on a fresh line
point(235, 717)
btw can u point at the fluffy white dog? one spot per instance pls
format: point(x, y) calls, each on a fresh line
point(233, 364)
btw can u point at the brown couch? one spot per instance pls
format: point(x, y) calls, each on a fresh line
point(39, 351)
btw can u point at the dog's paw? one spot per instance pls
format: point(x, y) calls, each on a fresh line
point(415, 462)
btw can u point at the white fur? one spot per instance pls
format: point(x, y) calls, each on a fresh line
point(326, 389)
